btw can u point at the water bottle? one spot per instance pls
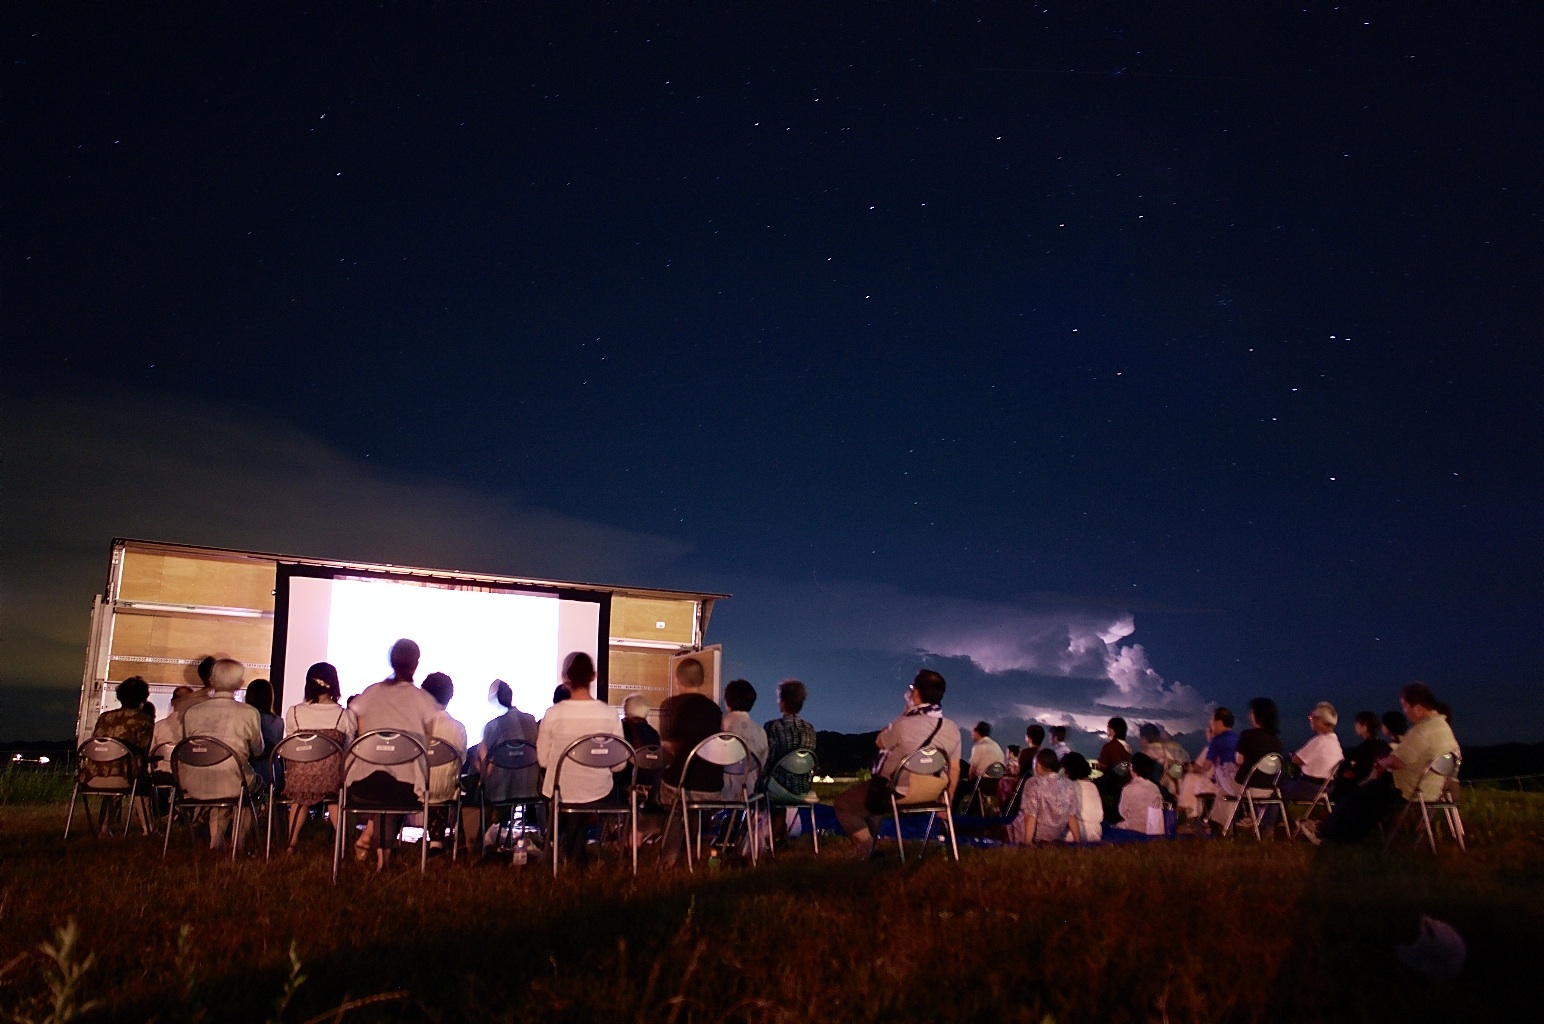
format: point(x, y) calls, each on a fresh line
point(521, 853)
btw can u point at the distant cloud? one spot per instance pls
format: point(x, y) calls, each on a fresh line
point(78, 475)
point(1059, 665)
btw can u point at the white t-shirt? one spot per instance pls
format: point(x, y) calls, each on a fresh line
point(563, 723)
point(1136, 799)
point(1090, 812)
point(1320, 755)
point(984, 753)
point(311, 717)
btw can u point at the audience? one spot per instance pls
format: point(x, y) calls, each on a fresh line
point(259, 694)
point(921, 724)
point(564, 723)
point(785, 734)
point(1141, 798)
point(1217, 759)
point(315, 782)
point(1059, 741)
point(129, 724)
point(1090, 809)
point(984, 753)
point(1034, 739)
point(739, 698)
point(1165, 752)
point(445, 779)
point(1049, 806)
point(1116, 752)
point(1263, 737)
point(394, 704)
point(222, 717)
point(1317, 759)
point(1428, 738)
point(685, 720)
point(1358, 765)
point(1011, 765)
point(638, 733)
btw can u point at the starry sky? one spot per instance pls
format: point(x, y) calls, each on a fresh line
point(1108, 357)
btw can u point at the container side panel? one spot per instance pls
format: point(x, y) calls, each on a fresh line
point(210, 582)
point(649, 618)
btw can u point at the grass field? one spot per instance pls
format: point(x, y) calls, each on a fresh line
point(1181, 931)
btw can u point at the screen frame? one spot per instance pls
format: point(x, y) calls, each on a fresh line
point(287, 571)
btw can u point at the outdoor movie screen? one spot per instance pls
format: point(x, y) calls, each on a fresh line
point(474, 636)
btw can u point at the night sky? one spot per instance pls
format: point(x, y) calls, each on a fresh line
point(1105, 356)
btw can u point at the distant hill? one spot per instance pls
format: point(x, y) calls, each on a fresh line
point(845, 753)
point(1503, 761)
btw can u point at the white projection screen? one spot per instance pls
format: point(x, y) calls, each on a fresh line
point(472, 635)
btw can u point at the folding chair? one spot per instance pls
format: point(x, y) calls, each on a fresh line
point(1320, 798)
point(505, 758)
point(796, 762)
point(106, 788)
point(301, 748)
point(201, 754)
point(600, 751)
point(991, 773)
point(441, 754)
point(1011, 808)
point(1264, 774)
point(382, 748)
point(1446, 767)
point(728, 752)
point(928, 793)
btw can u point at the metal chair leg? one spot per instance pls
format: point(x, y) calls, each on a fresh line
point(74, 793)
point(900, 840)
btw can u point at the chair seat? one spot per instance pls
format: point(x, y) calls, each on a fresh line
point(605, 805)
point(106, 784)
point(384, 807)
point(807, 800)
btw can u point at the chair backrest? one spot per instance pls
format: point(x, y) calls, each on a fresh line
point(1445, 766)
point(649, 759)
point(1176, 771)
point(512, 755)
point(104, 750)
point(1122, 770)
point(598, 750)
point(441, 753)
point(305, 748)
point(384, 748)
point(927, 761)
point(201, 752)
point(995, 770)
point(797, 762)
point(724, 749)
point(1265, 773)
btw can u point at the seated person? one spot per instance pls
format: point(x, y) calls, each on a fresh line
point(1141, 802)
point(686, 719)
point(394, 704)
point(222, 717)
point(1262, 738)
point(1090, 809)
point(1317, 759)
point(1358, 765)
point(565, 722)
point(1048, 808)
point(1165, 752)
point(130, 725)
point(1428, 738)
point(314, 782)
point(1009, 783)
point(739, 698)
point(1200, 775)
point(1034, 739)
point(921, 724)
point(1116, 751)
point(637, 731)
point(1059, 740)
point(984, 752)
point(785, 734)
point(445, 779)
point(259, 694)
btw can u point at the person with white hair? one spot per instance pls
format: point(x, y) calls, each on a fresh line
point(237, 725)
point(1317, 759)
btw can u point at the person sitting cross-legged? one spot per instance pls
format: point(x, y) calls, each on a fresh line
point(859, 808)
point(1048, 808)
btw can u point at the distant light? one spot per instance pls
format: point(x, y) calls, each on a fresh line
point(42, 760)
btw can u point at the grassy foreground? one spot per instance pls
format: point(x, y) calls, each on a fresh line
point(1181, 931)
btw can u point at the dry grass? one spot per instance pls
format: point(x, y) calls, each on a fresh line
point(1185, 931)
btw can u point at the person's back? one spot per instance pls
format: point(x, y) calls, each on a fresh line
point(920, 727)
point(567, 721)
point(237, 725)
point(1090, 814)
point(127, 724)
point(394, 705)
point(739, 698)
point(785, 734)
point(685, 720)
point(444, 779)
point(1428, 739)
point(1140, 797)
point(509, 784)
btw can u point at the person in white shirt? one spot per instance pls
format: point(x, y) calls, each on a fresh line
point(739, 698)
point(394, 704)
point(1317, 759)
point(1059, 741)
point(579, 716)
point(1090, 809)
point(445, 779)
point(237, 725)
point(1141, 797)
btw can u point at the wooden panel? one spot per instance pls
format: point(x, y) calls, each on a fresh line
point(188, 579)
point(177, 643)
point(637, 671)
point(653, 618)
